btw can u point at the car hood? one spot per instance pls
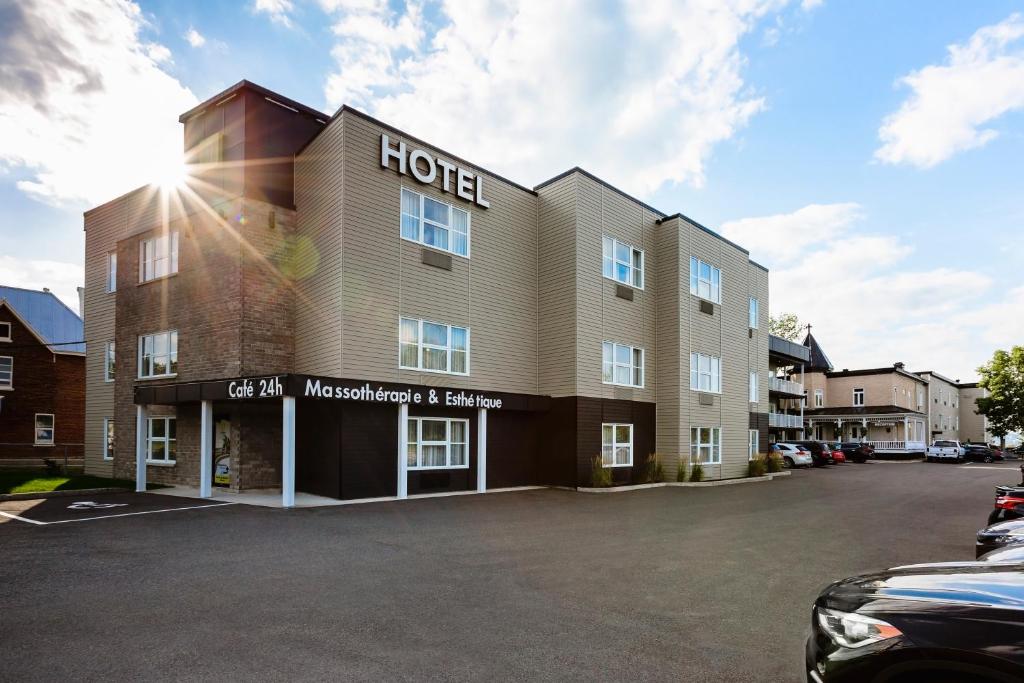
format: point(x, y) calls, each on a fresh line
point(965, 583)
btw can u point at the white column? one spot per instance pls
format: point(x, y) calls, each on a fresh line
point(481, 450)
point(402, 490)
point(140, 447)
point(288, 451)
point(206, 449)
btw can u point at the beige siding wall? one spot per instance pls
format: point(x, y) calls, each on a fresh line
point(556, 293)
point(878, 390)
point(672, 360)
point(972, 425)
point(943, 408)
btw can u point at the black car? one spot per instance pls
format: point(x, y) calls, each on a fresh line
point(931, 622)
point(856, 451)
point(999, 535)
point(821, 452)
point(981, 454)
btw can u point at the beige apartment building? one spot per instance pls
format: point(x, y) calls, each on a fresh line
point(332, 306)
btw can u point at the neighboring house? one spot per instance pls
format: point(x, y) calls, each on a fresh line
point(42, 379)
point(345, 310)
point(973, 425)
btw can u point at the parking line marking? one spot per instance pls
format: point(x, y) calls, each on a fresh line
point(144, 512)
point(22, 519)
point(987, 467)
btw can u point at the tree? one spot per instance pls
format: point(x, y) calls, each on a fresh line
point(787, 326)
point(1003, 379)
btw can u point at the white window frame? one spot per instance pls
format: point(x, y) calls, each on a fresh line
point(421, 219)
point(108, 440)
point(112, 272)
point(858, 391)
point(109, 359)
point(753, 443)
point(713, 447)
point(172, 355)
point(714, 373)
point(10, 330)
point(819, 398)
point(754, 389)
point(610, 449)
point(164, 256)
point(610, 365)
point(422, 346)
point(166, 439)
point(713, 282)
point(920, 398)
point(52, 428)
point(754, 313)
point(418, 443)
point(610, 262)
point(9, 384)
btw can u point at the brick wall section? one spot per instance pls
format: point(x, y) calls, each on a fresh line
point(44, 382)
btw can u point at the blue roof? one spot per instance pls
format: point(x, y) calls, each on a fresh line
point(48, 316)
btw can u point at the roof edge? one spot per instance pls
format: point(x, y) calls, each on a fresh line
point(605, 183)
point(706, 229)
point(249, 85)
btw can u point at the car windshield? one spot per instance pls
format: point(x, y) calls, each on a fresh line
point(944, 444)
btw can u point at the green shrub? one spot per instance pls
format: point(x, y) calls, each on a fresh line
point(681, 470)
point(757, 466)
point(775, 463)
point(600, 476)
point(654, 471)
point(697, 471)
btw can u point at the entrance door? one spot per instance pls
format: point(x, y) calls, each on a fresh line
point(222, 450)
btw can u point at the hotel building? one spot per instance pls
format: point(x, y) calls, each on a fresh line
point(332, 306)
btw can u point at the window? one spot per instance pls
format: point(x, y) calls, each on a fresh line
point(44, 429)
point(5, 332)
point(158, 355)
point(819, 398)
point(434, 223)
point(158, 257)
point(112, 271)
point(108, 439)
point(752, 443)
point(161, 440)
point(920, 398)
point(622, 263)
point(753, 313)
point(705, 280)
point(6, 372)
point(108, 363)
point(753, 387)
point(437, 443)
point(858, 397)
point(433, 347)
point(616, 445)
point(705, 373)
point(623, 365)
point(706, 445)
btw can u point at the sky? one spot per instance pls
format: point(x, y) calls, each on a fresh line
point(868, 153)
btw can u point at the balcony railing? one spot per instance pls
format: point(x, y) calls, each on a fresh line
point(785, 386)
point(897, 446)
point(790, 352)
point(785, 421)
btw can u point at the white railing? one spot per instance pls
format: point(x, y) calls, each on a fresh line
point(897, 445)
point(783, 420)
point(785, 386)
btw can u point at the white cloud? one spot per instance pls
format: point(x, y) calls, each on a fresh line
point(530, 89)
point(194, 37)
point(870, 302)
point(951, 104)
point(63, 279)
point(85, 108)
point(808, 5)
point(278, 10)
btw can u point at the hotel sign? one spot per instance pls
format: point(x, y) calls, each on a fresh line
point(426, 168)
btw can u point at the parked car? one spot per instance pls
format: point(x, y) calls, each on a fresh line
point(793, 455)
point(821, 452)
point(857, 451)
point(943, 450)
point(1009, 503)
point(981, 454)
point(837, 453)
point(1009, 553)
point(929, 622)
point(999, 535)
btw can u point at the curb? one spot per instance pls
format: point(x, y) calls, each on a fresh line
point(57, 494)
point(686, 484)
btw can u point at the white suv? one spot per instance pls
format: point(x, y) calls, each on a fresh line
point(793, 455)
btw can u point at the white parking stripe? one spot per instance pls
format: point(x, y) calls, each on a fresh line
point(988, 467)
point(21, 519)
point(144, 512)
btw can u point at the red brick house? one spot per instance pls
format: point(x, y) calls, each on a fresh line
point(42, 379)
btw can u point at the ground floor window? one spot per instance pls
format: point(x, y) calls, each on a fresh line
point(438, 443)
point(161, 440)
point(617, 445)
point(108, 439)
point(706, 445)
point(44, 429)
point(752, 440)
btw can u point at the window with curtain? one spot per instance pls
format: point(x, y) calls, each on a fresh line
point(433, 347)
point(44, 429)
point(436, 443)
point(706, 445)
point(158, 257)
point(434, 223)
point(705, 373)
point(622, 365)
point(158, 354)
point(616, 445)
point(705, 280)
point(622, 262)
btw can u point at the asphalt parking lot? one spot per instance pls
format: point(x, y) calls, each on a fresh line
point(690, 584)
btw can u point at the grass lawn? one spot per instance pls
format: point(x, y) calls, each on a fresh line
point(35, 481)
